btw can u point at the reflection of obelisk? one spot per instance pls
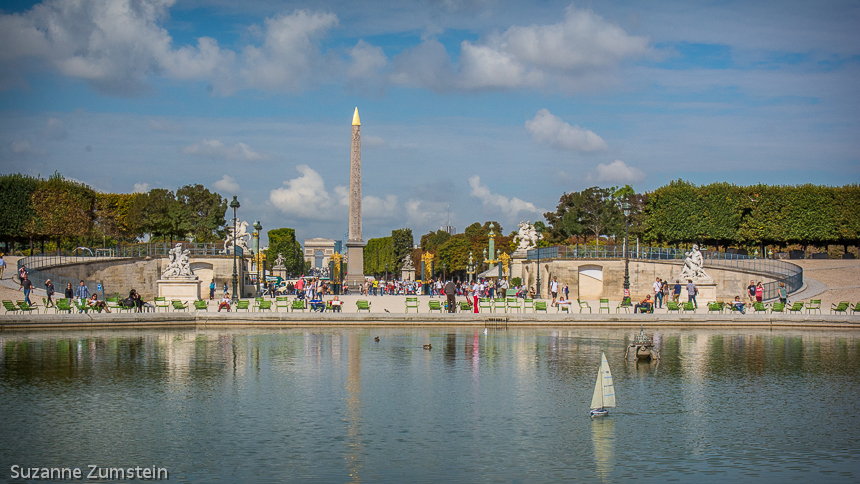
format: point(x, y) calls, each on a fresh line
point(355, 266)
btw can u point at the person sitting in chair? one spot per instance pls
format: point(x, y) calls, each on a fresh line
point(336, 304)
point(317, 305)
point(563, 303)
point(645, 305)
point(738, 305)
point(96, 304)
point(225, 303)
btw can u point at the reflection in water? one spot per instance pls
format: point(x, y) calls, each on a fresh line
point(328, 404)
point(603, 440)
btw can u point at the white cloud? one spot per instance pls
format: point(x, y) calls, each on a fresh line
point(577, 52)
point(617, 172)
point(421, 213)
point(55, 130)
point(550, 129)
point(306, 197)
point(216, 149)
point(23, 148)
point(141, 187)
point(226, 184)
point(372, 141)
point(379, 208)
point(366, 61)
point(508, 206)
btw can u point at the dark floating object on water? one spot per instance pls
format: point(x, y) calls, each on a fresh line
point(428, 346)
point(387, 311)
point(376, 339)
point(644, 347)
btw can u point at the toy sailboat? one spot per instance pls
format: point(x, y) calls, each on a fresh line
point(604, 390)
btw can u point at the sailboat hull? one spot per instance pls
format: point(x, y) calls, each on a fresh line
point(599, 412)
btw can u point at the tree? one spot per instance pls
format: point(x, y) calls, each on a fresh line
point(403, 243)
point(431, 240)
point(283, 241)
point(15, 198)
point(203, 210)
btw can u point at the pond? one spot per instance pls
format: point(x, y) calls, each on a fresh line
point(333, 405)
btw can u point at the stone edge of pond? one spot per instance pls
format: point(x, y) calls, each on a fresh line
point(205, 319)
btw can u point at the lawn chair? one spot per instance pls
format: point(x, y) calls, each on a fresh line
point(10, 306)
point(485, 303)
point(465, 307)
point(731, 308)
point(689, 307)
point(583, 305)
point(514, 304)
point(282, 302)
point(797, 307)
point(625, 304)
point(201, 305)
point(161, 302)
point(49, 304)
point(363, 305)
point(499, 305)
point(265, 306)
point(113, 303)
point(528, 304)
point(82, 306)
point(759, 307)
point(813, 305)
point(434, 305)
point(411, 303)
point(564, 307)
point(298, 305)
point(26, 308)
point(855, 309)
point(64, 305)
point(673, 306)
point(842, 307)
point(777, 308)
point(178, 306)
point(715, 307)
point(604, 304)
point(540, 306)
point(243, 304)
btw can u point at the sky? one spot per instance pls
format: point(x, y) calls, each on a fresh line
point(470, 110)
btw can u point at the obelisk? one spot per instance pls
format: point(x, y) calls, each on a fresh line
point(355, 245)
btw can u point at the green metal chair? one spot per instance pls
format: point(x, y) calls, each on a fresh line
point(464, 307)
point(282, 302)
point(26, 308)
point(513, 304)
point(411, 303)
point(842, 307)
point(813, 305)
point(81, 307)
point(625, 304)
point(10, 306)
point(201, 305)
point(777, 307)
point(583, 305)
point(540, 306)
point(49, 305)
point(64, 305)
point(434, 305)
point(796, 307)
point(113, 303)
point(485, 303)
point(178, 306)
point(265, 306)
point(673, 306)
point(161, 302)
point(759, 307)
point(715, 307)
point(855, 309)
point(243, 305)
point(604, 304)
point(499, 305)
point(363, 305)
point(298, 305)
point(528, 304)
point(689, 307)
point(257, 301)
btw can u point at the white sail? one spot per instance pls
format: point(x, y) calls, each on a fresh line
point(597, 398)
point(608, 386)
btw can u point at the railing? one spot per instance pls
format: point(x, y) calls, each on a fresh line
point(785, 272)
point(39, 277)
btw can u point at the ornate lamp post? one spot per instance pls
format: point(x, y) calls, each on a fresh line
point(537, 294)
point(256, 235)
point(235, 206)
point(626, 207)
point(444, 271)
point(470, 268)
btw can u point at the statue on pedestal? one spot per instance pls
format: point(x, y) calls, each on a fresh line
point(527, 236)
point(279, 261)
point(179, 263)
point(694, 266)
point(238, 239)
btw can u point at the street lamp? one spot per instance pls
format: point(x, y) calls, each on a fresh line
point(444, 271)
point(235, 206)
point(538, 230)
point(470, 269)
point(626, 207)
point(257, 229)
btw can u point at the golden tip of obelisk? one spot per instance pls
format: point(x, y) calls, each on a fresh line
point(355, 120)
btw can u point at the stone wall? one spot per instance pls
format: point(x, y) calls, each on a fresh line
point(604, 278)
point(122, 275)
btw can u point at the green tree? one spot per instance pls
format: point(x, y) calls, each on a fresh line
point(15, 198)
point(403, 244)
point(203, 210)
point(283, 241)
point(431, 240)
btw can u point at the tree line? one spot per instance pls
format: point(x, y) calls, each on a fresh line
point(65, 213)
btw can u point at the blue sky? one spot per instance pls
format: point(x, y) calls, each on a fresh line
point(488, 109)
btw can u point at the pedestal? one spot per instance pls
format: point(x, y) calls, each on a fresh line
point(706, 292)
point(355, 265)
point(180, 288)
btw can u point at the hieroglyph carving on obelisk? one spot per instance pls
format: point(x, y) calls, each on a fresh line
point(355, 266)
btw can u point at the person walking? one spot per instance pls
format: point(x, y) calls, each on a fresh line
point(676, 291)
point(566, 293)
point(691, 293)
point(26, 286)
point(2, 266)
point(783, 293)
point(70, 292)
point(49, 290)
point(553, 289)
point(658, 293)
point(82, 293)
point(759, 292)
point(751, 292)
point(212, 290)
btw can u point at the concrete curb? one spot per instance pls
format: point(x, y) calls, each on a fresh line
point(206, 319)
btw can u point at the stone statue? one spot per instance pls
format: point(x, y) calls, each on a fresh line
point(693, 265)
point(527, 236)
point(179, 263)
point(239, 239)
point(407, 263)
point(279, 261)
